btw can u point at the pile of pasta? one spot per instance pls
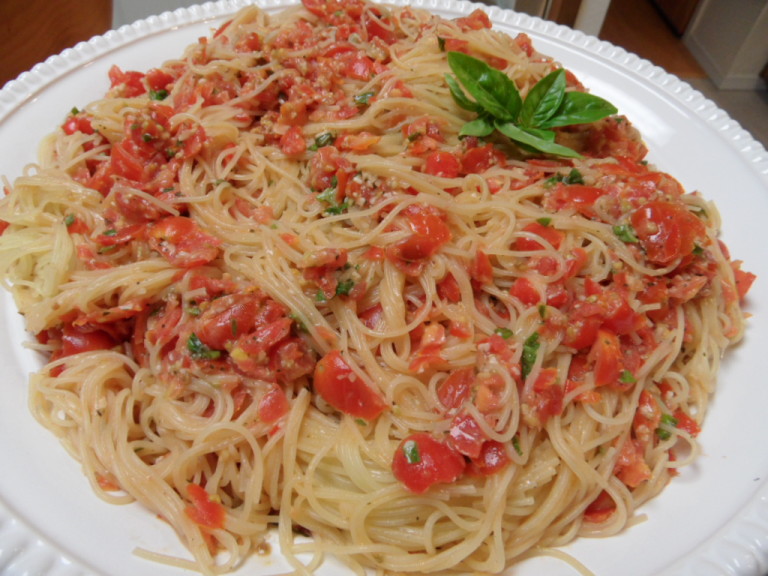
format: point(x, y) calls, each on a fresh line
point(279, 288)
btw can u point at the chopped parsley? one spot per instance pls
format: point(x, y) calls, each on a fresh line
point(200, 351)
point(530, 351)
point(625, 233)
point(411, 451)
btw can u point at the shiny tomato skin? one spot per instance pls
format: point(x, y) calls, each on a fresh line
point(478, 159)
point(607, 358)
point(443, 164)
point(466, 435)
point(431, 462)
point(204, 510)
point(493, 458)
point(343, 389)
point(525, 290)
point(667, 231)
point(273, 405)
point(75, 340)
point(181, 241)
point(456, 388)
point(548, 233)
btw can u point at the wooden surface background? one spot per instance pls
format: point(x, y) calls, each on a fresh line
point(32, 30)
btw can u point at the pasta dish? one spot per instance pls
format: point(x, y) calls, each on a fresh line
point(361, 273)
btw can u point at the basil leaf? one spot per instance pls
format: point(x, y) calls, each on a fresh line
point(531, 140)
point(480, 127)
point(625, 233)
point(530, 351)
point(543, 100)
point(580, 108)
point(461, 98)
point(492, 89)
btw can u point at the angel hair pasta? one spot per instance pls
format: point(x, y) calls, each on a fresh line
point(365, 273)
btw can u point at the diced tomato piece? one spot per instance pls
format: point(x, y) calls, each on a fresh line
point(456, 388)
point(743, 279)
point(547, 397)
point(77, 339)
point(600, 509)
point(129, 83)
point(448, 289)
point(292, 143)
point(273, 405)
point(548, 233)
point(478, 159)
point(204, 510)
point(443, 164)
point(481, 269)
point(631, 467)
point(667, 231)
point(578, 197)
point(607, 358)
point(181, 241)
point(344, 389)
point(685, 422)
point(493, 457)
point(466, 435)
point(525, 290)
point(647, 418)
point(421, 461)
point(477, 20)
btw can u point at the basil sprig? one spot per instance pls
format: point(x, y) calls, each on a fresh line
point(529, 121)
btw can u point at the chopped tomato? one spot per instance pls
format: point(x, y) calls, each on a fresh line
point(75, 339)
point(344, 389)
point(481, 269)
point(493, 457)
point(128, 84)
point(667, 231)
point(448, 289)
point(292, 143)
point(204, 510)
point(430, 232)
point(421, 461)
point(478, 159)
point(466, 435)
point(647, 418)
point(477, 20)
point(456, 388)
point(607, 358)
point(547, 233)
point(229, 317)
point(181, 241)
point(685, 422)
point(578, 197)
point(631, 467)
point(273, 405)
point(442, 163)
point(743, 279)
point(600, 509)
point(525, 290)
point(547, 397)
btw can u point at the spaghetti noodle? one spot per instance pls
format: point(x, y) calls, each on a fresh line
point(279, 289)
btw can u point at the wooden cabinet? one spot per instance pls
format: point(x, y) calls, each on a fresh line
point(677, 12)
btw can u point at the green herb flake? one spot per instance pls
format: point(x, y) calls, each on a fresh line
point(625, 233)
point(543, 311)
point(110, 232)
point(505, 333)
point(364, 99)
point(322, 140)
point(411, 451)
point(69, 219)
point(158, 94)
point(530, 351)
point(344, 287)
point(627, 377)
point(199, 350)
point(147, 137)
point(516, 445)
point(544, 221)
point(669, 421)
point(441, 43)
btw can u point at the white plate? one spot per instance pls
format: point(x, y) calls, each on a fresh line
point(711, 520)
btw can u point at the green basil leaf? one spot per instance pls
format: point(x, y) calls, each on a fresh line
point(459, 96)
point(480, 127)
point(580, 108)
point(491, 88)
point(543, 100)
point(535, 142)
point(530, 351)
